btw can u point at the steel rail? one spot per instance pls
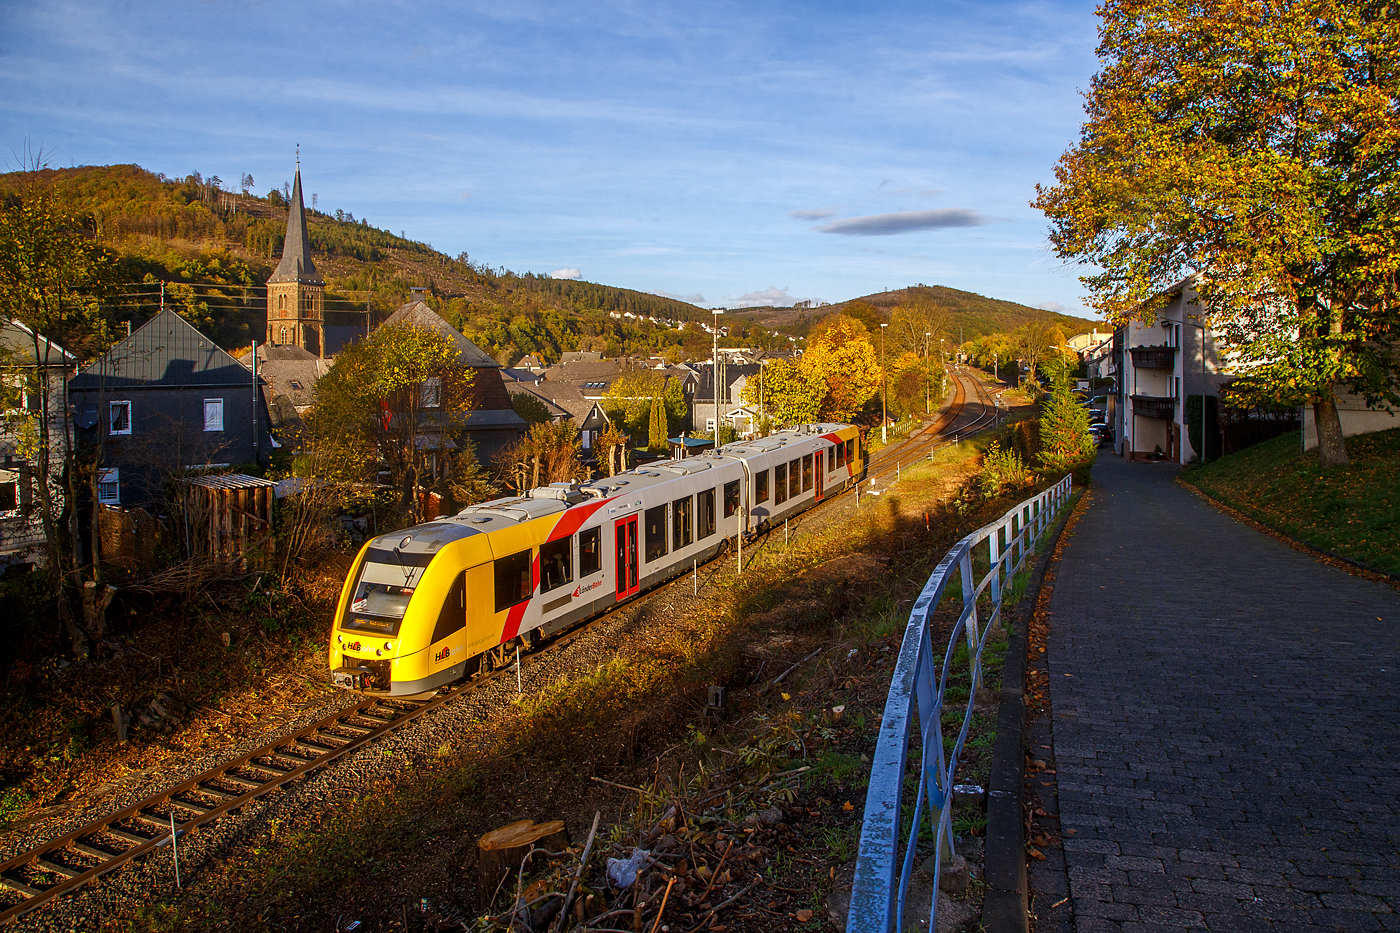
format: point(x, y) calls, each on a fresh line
point(235, 784)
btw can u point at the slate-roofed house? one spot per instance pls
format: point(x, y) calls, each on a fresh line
point(163, 401)
point(289, 375)
point(491, 424)
point(21, 528)
point(732, 410)
point(587, 414)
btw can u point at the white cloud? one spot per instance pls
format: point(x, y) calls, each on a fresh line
point(904, 222)
point(1051, 306)
point(565, 274)
point(772, 297)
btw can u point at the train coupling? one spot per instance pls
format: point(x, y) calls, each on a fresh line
point(351, 678)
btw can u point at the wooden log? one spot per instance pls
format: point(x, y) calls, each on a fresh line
point(501, 851)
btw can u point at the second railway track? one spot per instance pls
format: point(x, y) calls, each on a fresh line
point(63, 864)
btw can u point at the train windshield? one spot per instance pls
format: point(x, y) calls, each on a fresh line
point(387, 582)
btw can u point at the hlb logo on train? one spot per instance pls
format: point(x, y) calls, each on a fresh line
point(443, 654)
point(580, 590)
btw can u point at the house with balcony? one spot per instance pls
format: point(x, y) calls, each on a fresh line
point(1162, 367)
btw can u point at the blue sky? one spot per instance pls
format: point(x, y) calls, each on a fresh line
point(725, 153)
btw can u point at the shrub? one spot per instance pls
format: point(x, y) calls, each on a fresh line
point(1002, 468)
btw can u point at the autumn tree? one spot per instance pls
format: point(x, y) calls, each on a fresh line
point(630, 397)
point(1252, 144)
point(50, 271)
point(832, 381)
point(548, 454)
point(396, 398)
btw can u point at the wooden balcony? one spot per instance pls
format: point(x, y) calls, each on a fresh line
point(1152, 406)
point(1154, 357)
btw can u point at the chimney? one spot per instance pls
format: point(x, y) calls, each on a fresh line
point(417, 293)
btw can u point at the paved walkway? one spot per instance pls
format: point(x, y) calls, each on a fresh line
point(1226, 722)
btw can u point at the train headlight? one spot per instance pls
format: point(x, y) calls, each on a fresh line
point(388, 646)
point(378, 652)
point(340, 639)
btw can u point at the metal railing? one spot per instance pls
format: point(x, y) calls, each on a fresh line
point(917, 694)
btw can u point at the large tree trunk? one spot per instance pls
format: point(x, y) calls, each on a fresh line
point(1331, 443)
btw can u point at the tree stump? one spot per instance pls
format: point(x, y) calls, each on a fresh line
point(501, 851)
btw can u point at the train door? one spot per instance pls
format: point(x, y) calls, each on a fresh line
point(821, 484)
point(628, 582)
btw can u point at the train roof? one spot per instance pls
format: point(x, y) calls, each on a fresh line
point(559, 497)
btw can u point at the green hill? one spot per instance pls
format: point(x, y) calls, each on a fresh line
point(218, 247)
point(215, 248)
point(973, 315)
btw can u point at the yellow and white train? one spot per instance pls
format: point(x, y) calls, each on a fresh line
point(425, 606)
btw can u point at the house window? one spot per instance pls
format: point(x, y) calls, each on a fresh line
point(213, 414)
point(430, 392)
point(709, 425)
point(119, 417)
point(109, 487)
point(9, 495)
point(294, 384)
point(283, 338)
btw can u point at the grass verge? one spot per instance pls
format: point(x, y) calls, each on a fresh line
point(1351, 510)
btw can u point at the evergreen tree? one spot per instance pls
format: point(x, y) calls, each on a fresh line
point(1064, 424)
point(656, 434)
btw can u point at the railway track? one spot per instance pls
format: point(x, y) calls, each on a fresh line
point(66, 863)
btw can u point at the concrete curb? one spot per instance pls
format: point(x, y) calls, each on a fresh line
point(1004, 872)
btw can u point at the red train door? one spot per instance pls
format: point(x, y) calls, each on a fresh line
point(821, 484)
point(627, 580)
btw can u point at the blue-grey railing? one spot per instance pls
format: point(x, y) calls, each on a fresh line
point(919, 684)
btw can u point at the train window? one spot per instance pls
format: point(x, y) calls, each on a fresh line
point(780, 484)
point(731, 498)
point(807, 473)
point(655, 521)
point(760, 487)
point(453, 615)
point(514, 581)
point(682, 511)
point(705, 513)
point(795, 478)
point(590, 551)
point(386, 584)
point(556, 564)
point(831, 460)
point(840, 455)
point(851, 453)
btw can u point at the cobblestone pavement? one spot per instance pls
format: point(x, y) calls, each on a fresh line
point(1226, 722)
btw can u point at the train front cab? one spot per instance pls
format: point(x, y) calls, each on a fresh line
point(409, 622)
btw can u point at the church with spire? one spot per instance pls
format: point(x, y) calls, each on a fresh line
point(296, 292)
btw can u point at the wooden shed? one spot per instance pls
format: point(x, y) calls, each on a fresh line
point(228, 516)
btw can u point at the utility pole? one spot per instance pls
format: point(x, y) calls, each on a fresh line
point(928, 383)
point(884, 388)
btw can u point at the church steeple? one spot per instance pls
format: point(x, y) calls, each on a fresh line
point(296, 291)
point(296, 264)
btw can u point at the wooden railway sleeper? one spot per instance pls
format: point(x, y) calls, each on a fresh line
point(241, 781)
point(127, 836)
point(57, 868)
point(94, 851)
point(197, 809)
point(19, 886)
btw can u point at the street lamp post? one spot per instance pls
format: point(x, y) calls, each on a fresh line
point(884, 389)
point(1202, 452)
point(714, 375)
